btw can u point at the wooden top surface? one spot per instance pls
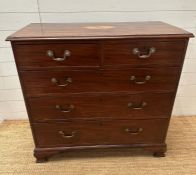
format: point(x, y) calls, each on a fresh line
point(43, 31)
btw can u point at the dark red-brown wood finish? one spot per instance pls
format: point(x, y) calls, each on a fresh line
point(100, 106)
point(86, 133)
point(99, 85)
point(38, 83)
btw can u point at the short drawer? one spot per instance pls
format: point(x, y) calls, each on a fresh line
point(144, 53)
point(56, 55)
point(133, 80)
point(117, 106)
point(86, 133)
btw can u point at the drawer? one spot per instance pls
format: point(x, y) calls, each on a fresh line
point(88, 133)
point(122, 106)
point(144, 53)
point(56, 55)
point(133, 80)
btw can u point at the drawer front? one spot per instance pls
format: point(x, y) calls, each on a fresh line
point(100, 132)
point(133, 80)
point(56, 55)
point(144, 53)
point(127, 106)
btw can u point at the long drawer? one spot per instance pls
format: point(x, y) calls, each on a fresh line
point(100, 132)
point(132, 80)
point(122, 106)
point(57, 55)
point(137, 53)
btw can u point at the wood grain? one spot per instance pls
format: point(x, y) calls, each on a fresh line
point(96, 106)
point(38, 83)
point(35, 55)
point(75, 31)
point(120, 53)
point(99, 80)
point(107, 132)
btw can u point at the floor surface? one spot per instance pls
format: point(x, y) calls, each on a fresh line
point(16, 156)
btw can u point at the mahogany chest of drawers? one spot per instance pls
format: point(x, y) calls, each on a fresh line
point(99, 85)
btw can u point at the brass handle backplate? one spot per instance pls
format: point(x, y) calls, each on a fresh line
point(134, 131)
point(51, 54)
point(134, 79)
point(67, 135)
point(67, 81)
point(141, 106)
point(68, 109)
point(137, 52)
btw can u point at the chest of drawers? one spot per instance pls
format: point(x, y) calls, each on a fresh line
point(99, 85)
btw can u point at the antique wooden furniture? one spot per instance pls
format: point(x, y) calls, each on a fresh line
point(99, 85)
